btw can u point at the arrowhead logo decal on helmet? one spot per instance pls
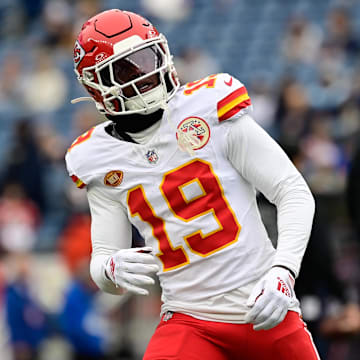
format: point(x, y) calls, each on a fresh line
point(79, 53)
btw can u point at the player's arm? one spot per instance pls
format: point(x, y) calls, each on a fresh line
point(115, 266)
point(264, 164)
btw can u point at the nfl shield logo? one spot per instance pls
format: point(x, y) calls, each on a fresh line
point(152, 156)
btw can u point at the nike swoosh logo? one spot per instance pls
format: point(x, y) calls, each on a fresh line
point(228, 83)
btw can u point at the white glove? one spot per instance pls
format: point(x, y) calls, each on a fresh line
point(127, 268)
point(270, 299)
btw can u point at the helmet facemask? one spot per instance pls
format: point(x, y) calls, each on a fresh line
point(140, 80)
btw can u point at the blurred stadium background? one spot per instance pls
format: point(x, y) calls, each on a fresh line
point(300, 62)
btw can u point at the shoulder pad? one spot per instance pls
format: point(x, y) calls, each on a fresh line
point(80, 139)
point(227, 93)
point(234, 98)
point(91, 155)
point(72, 156)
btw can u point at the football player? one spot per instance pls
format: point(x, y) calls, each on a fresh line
point(183, 164)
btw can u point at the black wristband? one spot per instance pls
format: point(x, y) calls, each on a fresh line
point(286, 268)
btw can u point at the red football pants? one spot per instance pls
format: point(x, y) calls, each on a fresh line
point(185, 338)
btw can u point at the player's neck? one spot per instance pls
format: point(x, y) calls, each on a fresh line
point(135, 123)
point(142, 137)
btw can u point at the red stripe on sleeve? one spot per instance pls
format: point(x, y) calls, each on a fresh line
point(78, 182)
point(232, 96)
point(74, 178)
point(235, 110)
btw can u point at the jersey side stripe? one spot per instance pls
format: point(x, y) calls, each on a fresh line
point(233, 103)
point(80, 184)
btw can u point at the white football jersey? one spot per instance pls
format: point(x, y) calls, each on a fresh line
point(197, 212)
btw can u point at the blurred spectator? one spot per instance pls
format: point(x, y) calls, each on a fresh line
point(264, 102)
point(27, 322)
point(10, 85)
point(301, 42)
point(25, 164)
point(170, 11)
point(322, 162)
point(13, 19)
point(58, 24)
point(344, 330)
point(318, 287)
point(353, 192)
point(19, 219)
point(292, 115)
point(355, 90)
point(45, 88)
point(346, 323)
point(81, 320)
point(84, 10)
point(342, 325)
point(194, 63)
point(348, 123)
point(74, 242)
point(339, 31)
point(51, 144)
point(332, 86)
point(32, 9)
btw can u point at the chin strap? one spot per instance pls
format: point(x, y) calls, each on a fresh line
point(99, 106)
point(79, 99)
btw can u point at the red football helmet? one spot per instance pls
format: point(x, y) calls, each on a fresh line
point(124, 63)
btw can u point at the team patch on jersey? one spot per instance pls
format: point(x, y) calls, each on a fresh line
point(80, 184)
point(233, 103)
point(197, 131)
point(113, 178)
point(152, 156)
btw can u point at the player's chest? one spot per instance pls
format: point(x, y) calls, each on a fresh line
point(168, 169)
point(161, 176)
point(157, 179)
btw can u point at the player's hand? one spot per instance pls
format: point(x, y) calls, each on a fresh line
point(270, 299)
point(130, 269)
